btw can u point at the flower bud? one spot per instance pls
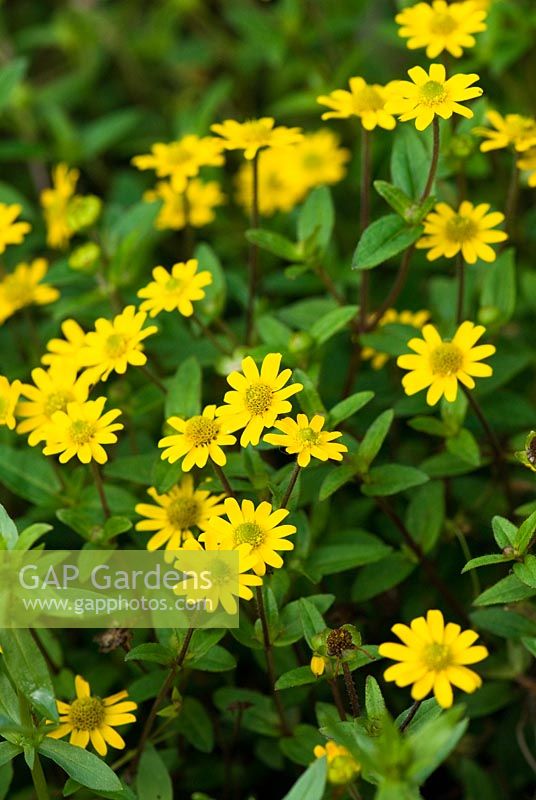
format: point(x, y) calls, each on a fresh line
point(85, 258)
point(83, 212)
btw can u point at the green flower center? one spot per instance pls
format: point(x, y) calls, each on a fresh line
point(220, 573)
point(173, 284)
point(87, 713)
point(255, 132)
point(57, 401)
point(308, 436)
point(82, 431)
point(446, 359)
point(183, 513)
point(116, 345)
point(433, 93)
point(461, 229)
point(249, 533)
point(368, 99)
point(342, 770)
point(437, 656)
point(201, 431)
point(443, 24)
point(258, 398)
point(179, 155)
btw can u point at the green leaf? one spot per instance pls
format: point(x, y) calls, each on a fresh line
point(310, 785)
point(333, 322)
point(275, 243)
point(410, 160)
point(301, 676)
point(316, 219)
point(504, 532)
point(31, 535)
point(498, 295)
point(213, 303)
point(150, 651)
point(348, 407)
point(374, 702)
point(503, 622)
point(311, 620)
point(8, 531)
point(526, 572)
point(301, 744)
point(218, 659)
point(508, 590)
point(196, 725)
point(107, 130)
point(153, 781)
point(397, 199)
point(391, 479)
point(354, 550)
point(525, 533)
point(184, 395)
point(382, 240)
point(10, 76)
point(464, 445)
point(373, 439)
point(336, 478)
point(483, 561)
point(84, 767)
point(308, 398)
point(28, 474)
point(433, 742)
point(28, 670)
point(425, 515)
point(8, 752)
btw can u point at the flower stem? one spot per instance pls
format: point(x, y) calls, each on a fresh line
point(100, 489)
point(270, 661)
point(408, 719)
point(205, 330)
point(253, 251)
point(461, 288)
point(364, 216)
point(512, 198)
point(39, 780)
point(162, 694)
point(291, 485)
point(152, 377)
point(351, 691)
point(336, 692)
point(229, 491)
point(433, 164)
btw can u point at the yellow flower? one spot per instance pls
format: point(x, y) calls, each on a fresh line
point(68, 351)
point(81, 431)
point(198, 439)
point(224, 586)
point(255, 134)
point(11, 232)
point(23, 287)
point(467, 231)
point(320, 159)
point(92, 718)
point(366, 101)
point(438, 26)
point(257, 399)
point(176, 513)
point(182, 159)
point(391, 316)
point(528, 162)
point(307, 439)
point(434, 656)
point(510, 130)
point(193, 206)
point(281, 186)
point(260, 528)
point(55, 203)
point(318, 665)
point(439, 364)
point(428, 94)
point(342, 767)
point(9, 395)
point(115, 344)
point(175, 291)
point(51, 392)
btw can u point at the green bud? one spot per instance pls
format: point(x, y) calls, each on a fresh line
point(85, 258)
point(300, 343)
point(462, 145)
point(488, 315)
point(527, 457)
point(83, 211)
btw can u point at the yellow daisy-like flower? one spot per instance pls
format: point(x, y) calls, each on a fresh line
point(226, 585)
point(366, 101)
point(307, 439)
point(439, 26)
point(258, 398)
point(194, 206)
point(512, 130)
point(23, 287)
point(428, 94)
point(114, 344)
point(467, 231)
point(434, 656)
point(11, 232)
point(528, 162)
point(415, 318)
point(176, 513)
point(182, 159)
point(68, 351)
point(259, 527)
point(90, 718)
point(342, 767)
point(9, 395)
point(55, 203)
point(281, 185)
point(175, 290)
point(255, 134)
point(198, 439)
point(52, 390)
point(81, 431)
point(320, 158)
point(440, 363)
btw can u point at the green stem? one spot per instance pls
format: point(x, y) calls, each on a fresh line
point(39, 780)
point(461, 289)
point(210, 336)
point(433, 164)
point(229, 491)
point(291, 485)
point(410, 716)
point(152, 377)
point(270, 661)
point(364, 216)
point(253, 251)
point(100, 489)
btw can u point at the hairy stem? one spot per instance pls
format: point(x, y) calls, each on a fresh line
point(100, 489)
point(291, 485)
point(351, 691)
